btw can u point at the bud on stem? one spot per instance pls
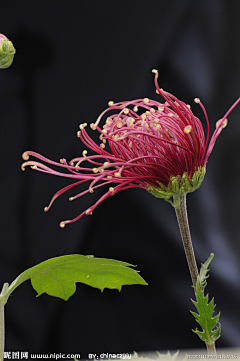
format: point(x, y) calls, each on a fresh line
point(7, 52)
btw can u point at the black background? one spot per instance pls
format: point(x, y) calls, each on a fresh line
point(72, 58)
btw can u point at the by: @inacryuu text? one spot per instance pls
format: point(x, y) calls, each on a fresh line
point(101, 356)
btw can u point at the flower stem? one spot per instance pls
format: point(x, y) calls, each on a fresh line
point(181, 212)
point(180, 206)
point(3, 300)
point(211, 349)
point(1, 329)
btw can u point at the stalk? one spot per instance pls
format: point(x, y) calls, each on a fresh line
point(2, 329)
point(182, 217)
point(3, 300)
point(211, 349)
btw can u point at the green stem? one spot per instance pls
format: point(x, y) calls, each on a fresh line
point(180, 206)
point(2, 338)
point(181, 212)
point(3, 300)
point(211, 349)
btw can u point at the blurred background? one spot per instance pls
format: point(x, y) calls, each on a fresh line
point(72, 58)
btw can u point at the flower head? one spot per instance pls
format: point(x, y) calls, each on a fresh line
point(159, 147)
point(7, 52)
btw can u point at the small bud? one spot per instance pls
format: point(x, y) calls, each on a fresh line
point(111, 189)
point(25, 156)
point(93, 126)
point(224, 123)
point(188, 129)
point(197, 100)
point(82, 126)
point(169, 133)
point(7, 52)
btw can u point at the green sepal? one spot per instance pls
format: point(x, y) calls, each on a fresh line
point(58, 276)
point(178, 186)
point(195, 179)
point(186, 186)
point(175, 185)
point(211, 328)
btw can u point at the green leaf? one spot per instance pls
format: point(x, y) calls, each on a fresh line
point(58, 276)
point(211, 328)
point(203, 272)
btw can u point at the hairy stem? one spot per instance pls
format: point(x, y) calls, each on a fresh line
point(180, 206)
point(181, 212)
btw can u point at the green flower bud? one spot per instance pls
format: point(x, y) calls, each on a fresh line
point(7, 52)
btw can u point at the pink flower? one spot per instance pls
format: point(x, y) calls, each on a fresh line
point(2, 37)
point(159, 147)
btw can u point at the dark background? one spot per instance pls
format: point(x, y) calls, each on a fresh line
point(72, 58)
